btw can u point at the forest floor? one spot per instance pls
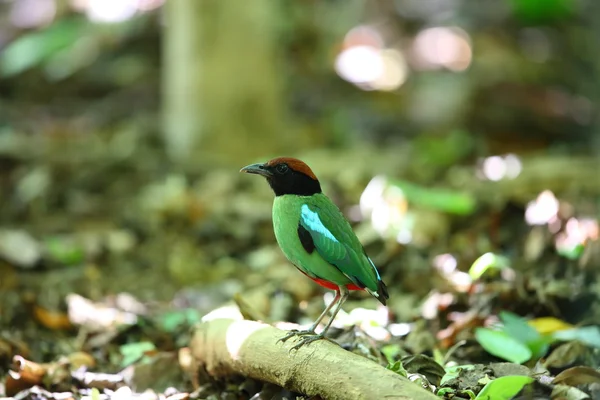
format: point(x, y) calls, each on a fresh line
point(110, 265)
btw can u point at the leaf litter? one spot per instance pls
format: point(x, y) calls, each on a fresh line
point(107, 308)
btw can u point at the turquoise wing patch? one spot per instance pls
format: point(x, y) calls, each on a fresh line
point(328, 246)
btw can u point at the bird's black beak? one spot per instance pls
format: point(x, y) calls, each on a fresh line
point(259, 169)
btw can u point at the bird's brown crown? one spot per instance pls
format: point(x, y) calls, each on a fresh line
point(293, 163)
point(287, 175)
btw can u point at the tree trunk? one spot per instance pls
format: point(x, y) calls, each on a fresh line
point(222, 82)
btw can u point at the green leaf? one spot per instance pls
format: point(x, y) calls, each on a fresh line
point(500, 344)
point(488, 261)
point(589, 335)
point(442, 151)
point(438, 199)
point(391, 352)
point(518, 328)
point(484, 380)
point(572, 251)
point(95, 394)
point(503, 388)
point(64, 250)
point(444, 391)
point(543, 11)
point(398, 368)
point(132, 352)
point(455, 393)
point(36, 47)
point(170, 321)
point(438, 356)
point(454, 372)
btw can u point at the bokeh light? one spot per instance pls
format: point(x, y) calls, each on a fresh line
point(387, 208)
point(365, 62)
point(111, 10)
point(446, 265)
point(443, 47)
point(114, 11)
point(542, 210)
point(577, 232)
point(496, 168)
point(32, 13)
point(359, 64)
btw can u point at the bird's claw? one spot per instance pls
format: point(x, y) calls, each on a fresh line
point(305, 337)
point(304, 340)
point(296, 332)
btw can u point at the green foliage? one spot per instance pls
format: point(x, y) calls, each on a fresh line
point(391, 352)
point(32, 49)
point(95, 394)
point(438, 199)
point(133, 352)
point(454, 372)
point(517, 341)
point(171, 321)
point(398, 368)
point(503, 388)
point(588, 335)
point(484, 380)
point(500, 344)
point(572, 251)
point(518, 328)
point(443, 151)
point(451, 393)
point(487, 262)
point(64, 250)
point(542, 11)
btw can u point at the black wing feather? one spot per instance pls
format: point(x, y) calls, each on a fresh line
point(306, 239)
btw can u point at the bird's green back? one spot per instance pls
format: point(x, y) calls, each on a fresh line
point(338, 255)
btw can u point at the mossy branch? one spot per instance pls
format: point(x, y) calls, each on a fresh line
point(225, 347)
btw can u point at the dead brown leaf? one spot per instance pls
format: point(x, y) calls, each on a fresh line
point(577, 376)
point(24, 375)
point(50, 319)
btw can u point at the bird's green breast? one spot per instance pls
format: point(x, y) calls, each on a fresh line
point(286, 217)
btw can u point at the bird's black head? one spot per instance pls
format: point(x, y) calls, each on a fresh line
point(287, 176)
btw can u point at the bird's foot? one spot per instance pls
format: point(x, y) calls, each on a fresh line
point(296, 332)
point(304, 340)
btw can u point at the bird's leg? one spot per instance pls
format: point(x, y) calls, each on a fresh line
point(343, 294)
point(311, 330)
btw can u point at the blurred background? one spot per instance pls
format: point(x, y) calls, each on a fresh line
point(462, 139)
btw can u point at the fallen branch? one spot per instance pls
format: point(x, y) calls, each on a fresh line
point(226, 347)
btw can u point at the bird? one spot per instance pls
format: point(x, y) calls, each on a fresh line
point(317, 238)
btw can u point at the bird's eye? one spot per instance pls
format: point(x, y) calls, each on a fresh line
point(281, 168)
